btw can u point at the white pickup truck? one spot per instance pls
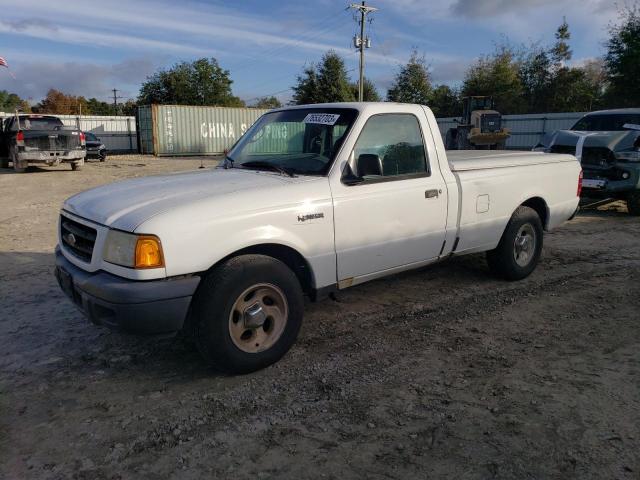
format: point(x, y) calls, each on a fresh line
point(312, 199)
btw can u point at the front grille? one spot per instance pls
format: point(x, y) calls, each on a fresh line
point(599, 156)
point(491, 122)
point(77, 239)
point(53, 142)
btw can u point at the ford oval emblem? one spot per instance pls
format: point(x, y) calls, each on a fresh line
point(71, 239)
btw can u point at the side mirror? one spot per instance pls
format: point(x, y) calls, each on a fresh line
point(349, 177)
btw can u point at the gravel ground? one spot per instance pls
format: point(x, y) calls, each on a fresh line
point(444, 372)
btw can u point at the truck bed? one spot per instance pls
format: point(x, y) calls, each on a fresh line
point(464, 160)
point(491, 183)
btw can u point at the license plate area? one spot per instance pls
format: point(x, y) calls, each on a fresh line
point(593, 183)
point(66, 282)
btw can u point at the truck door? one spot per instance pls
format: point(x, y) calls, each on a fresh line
point(397, 215)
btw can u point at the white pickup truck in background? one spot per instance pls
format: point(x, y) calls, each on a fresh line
point(310, 200)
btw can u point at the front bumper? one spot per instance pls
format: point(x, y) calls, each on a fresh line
point(152, 306)
point(96, 152)
point(607, 182)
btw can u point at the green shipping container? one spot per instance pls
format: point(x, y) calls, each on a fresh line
point(166, 130)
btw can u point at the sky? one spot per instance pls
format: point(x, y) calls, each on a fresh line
point(88, 47)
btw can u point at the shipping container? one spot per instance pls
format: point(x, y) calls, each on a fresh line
point(526, 130)
point(166, 130)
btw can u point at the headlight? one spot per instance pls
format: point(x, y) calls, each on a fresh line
point(628, 156)
point(133, 251)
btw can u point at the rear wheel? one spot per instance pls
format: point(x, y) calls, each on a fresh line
point(77, 165)
point(18, 167)
point(518, 252)
point(247, 313)
point(633, 204)
point(451, 140)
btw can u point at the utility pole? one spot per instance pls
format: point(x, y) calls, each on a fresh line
point(115, 100)
point(361, 42)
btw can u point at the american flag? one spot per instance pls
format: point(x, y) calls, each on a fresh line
point(3, 63)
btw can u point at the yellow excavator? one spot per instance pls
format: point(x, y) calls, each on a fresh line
point(480, 127)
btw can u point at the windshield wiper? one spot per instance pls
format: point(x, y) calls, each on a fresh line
point(258, 164)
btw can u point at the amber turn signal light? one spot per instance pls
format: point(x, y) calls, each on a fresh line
point(148, 252)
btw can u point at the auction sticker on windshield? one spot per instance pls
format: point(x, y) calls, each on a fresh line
point(322, 118)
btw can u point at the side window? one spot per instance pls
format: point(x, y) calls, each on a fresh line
point(390, 145)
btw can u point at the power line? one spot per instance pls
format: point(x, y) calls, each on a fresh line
point(331, 27)
point(320, 28)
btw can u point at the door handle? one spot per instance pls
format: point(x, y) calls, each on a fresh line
point(432, 193)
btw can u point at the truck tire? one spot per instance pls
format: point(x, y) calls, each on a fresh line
point(633, 204)
point(77, 165)
point(247, 313)
point(451, 139)
point(518, 252)
point(463, 141)
point(17, 166)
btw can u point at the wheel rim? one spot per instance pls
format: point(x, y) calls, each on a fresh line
point(524, 246)
point(258, 318)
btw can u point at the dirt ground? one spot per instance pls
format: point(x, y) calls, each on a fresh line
point(444, 372)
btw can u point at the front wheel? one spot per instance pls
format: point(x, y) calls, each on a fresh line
point(633, 203)
point(247, 313)
point(518, 252)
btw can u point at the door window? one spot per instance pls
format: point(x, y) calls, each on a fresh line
point(390, 145)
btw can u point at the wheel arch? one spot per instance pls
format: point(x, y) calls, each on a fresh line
point(541, 208)
point(287, 255)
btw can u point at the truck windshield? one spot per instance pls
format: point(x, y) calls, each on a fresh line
point(32, 122)
point(299, 141)
point(606, 123)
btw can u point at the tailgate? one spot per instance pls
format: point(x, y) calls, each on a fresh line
point(52, 140)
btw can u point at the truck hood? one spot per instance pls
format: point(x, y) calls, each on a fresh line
point(125, 205)
point(615, 141)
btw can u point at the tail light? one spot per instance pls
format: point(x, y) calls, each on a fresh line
point(83, 140)
point(20, 138)
point(580, 183)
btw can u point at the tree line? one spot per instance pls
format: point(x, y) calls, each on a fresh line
point(57, 102)
point(521, 79)
point(533, 78)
